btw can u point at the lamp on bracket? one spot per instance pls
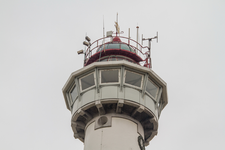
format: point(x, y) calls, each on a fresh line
point(80, 52)
point(87, 43)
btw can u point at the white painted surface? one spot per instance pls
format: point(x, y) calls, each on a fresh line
point(122, 135)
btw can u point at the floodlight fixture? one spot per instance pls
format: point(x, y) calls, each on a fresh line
point(86, 43)
point(80, 52)
point(109, 33)
point(87, 38)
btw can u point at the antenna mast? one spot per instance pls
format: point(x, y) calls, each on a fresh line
point(149, 64)
point(103, 29)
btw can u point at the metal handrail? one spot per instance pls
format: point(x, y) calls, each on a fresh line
point(140, 52)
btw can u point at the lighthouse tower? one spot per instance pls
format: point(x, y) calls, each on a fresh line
point(116, 99)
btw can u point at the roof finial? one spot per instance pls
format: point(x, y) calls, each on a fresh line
point(117, 25)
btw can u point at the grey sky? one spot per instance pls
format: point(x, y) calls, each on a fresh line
point(38, 44)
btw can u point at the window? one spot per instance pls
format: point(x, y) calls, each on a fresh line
point(113, 46)
point(126, 47)
point(87, 81)
point(151, 88)
point(134, 79)
point(109, 76)
point(116, 58)
point(73, 93)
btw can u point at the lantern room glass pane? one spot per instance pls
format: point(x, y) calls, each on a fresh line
point(87, 81)
point(113, 46)
point(108, 76)
point(133, 78)
point(126, 47)
point(151, 88)
point(74, 93)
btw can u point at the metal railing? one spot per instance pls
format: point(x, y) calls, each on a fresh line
point(141, 51)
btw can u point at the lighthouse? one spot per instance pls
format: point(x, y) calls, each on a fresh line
point(116, 99)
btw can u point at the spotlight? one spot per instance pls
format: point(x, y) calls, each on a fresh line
point(80, 52)
point(86, 43)
point(109, 34)
point(87, 38)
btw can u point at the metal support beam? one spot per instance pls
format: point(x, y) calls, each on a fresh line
point(101, 109)
point(79, 135)
point(119, 106)
point(78, 124)
point(140, 109)
point(84, 114)
point(153, 121)
point(153, 133)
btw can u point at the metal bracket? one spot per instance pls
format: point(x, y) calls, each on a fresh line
point(119, 105)
point(86, 115)
point(101, 109)
point(78, 124)
point(140, 109)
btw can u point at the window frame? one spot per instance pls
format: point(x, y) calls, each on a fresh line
point(110, 83)
point(90, 86)
point(127, 84)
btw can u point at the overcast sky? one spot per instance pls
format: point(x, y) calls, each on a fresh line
point(39, 40)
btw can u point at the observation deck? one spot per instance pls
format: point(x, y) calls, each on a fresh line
point(116, 85)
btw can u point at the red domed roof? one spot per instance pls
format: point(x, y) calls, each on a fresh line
point(116, 39)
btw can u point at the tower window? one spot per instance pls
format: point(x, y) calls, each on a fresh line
point(134, 79)
point(151, 88)
point(109, 76)
point(73, 93)
point(87, 81)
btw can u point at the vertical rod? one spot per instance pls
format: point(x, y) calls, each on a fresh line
point(103, 36)
point(85, 55)
point(103, 28)
point(150, 61)
point(137, 37)
point(129, 36)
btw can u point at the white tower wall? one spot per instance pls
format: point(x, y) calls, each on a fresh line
point(122, 135)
